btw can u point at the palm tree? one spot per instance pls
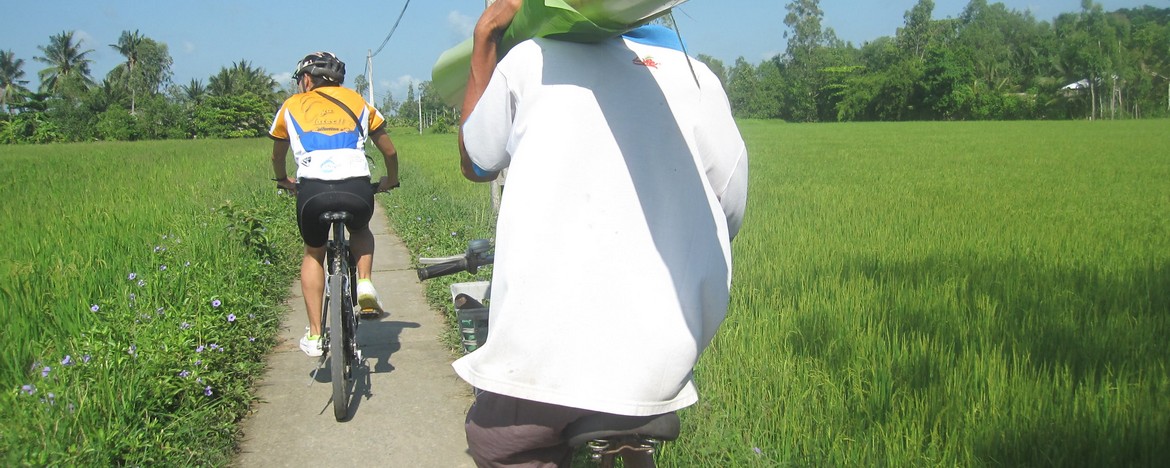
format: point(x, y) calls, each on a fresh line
point(68, 66)
point(129, 45)
point(11, 83)
point(241, 79)
point(194, 91)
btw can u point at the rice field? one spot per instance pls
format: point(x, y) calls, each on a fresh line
point(922, 294)
point(139, 292)
point(912, 294)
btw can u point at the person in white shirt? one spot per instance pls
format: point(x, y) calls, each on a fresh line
point(627, 181)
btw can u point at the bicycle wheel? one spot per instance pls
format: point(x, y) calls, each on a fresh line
point(339, 347)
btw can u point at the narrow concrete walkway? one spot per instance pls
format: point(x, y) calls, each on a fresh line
point(411, 409)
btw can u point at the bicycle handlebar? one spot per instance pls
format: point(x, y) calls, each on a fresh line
point(477, 255)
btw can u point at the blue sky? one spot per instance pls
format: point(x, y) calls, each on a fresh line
point(205, 36)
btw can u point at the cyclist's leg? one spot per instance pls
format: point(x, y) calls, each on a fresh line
point(361, 206)
point(508, 431)
point(312, 200)
point(313, 285)
point(361, 243)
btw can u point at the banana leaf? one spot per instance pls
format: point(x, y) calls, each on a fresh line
point(568, 20)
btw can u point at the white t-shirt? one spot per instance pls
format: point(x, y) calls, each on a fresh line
point(626, 182)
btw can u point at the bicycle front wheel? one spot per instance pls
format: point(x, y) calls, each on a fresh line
point(338, 350)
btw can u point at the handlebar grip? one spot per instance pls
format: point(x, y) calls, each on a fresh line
point(442, 269)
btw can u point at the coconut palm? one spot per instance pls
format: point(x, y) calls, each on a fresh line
point(129, 45)
point(68, 66)
point(241, 79)
point(11, 84)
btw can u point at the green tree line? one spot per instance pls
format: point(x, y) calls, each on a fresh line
point(990, 63)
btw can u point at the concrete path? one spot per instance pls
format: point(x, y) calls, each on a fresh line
point(412, 410)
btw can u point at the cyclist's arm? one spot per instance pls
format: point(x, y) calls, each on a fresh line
point(382, 141)
point(279, 169)
point(485, 39)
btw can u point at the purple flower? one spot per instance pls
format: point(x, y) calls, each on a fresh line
point(85, 359)
point(213, 346)
point(757, 450)
point(185, 326)
point(94, 308)
point(141, 283)
point(132, 276)
point(185, 373)
point(215, 303)
point(28, 388)
point(231, 317)
point(207, 391)
point(252, 339)
point(162, 268)
point(68, 361)
point(199, 362)
point(199, 349)
point(45, 371)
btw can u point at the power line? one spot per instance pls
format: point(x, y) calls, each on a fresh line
point(403, 12)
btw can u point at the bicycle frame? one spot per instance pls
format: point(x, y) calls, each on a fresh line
point(338, 320)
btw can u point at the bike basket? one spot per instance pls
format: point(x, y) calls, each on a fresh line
point(471, 312)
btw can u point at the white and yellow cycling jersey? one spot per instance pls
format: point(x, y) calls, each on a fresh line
point(327, 143)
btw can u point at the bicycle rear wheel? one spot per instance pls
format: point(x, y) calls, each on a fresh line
point(339, 349)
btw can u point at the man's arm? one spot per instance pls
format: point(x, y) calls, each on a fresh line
point(485, 40)
point(280, 172)
point(389, 155)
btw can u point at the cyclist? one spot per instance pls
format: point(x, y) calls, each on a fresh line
point(326, 126)
point(627, 182)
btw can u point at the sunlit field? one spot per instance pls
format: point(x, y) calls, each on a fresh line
point(916, 294)
point(922, 294)
point(139, 291)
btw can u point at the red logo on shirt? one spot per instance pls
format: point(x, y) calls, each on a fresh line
point(648, 61)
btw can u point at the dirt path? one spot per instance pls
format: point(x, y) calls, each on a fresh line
point(413, 410)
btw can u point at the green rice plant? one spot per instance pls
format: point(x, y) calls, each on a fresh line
point(918, 294)
point(137, 309)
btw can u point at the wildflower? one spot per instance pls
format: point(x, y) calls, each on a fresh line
point(199, 362)
point(52, 398)
point(159, 311)
point(68, 361)
point(757, 450)
point(94, 308)
point(187, 264)
point(453, 233)
point(162, 268)
point(158, 248)
point(215, 303)
point(231, 317)
point(132, 276)
point(85, 359)
point(45, 371)
point(198, 379)
point(185, 326)
point(141, 283)
point(186, 373)
point(214, 346)
point(199, 349)
point(252, 339)
point(133, 297)
point(133, 350)
point(28, 389)
point(207, 391)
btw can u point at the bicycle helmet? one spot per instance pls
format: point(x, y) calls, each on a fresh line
point(322, 64)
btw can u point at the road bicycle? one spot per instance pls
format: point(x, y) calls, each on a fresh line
point(339, 322)
point(605, 437)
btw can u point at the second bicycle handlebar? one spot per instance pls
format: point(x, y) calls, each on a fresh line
point(478, 254)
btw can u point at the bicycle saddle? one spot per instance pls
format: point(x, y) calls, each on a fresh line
point(604, 425)
point(331, 216)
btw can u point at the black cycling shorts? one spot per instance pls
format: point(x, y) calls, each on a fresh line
point(319, 196)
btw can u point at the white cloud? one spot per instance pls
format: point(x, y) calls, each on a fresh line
point(461, 24)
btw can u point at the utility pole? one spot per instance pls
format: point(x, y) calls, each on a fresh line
point(370, 67)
